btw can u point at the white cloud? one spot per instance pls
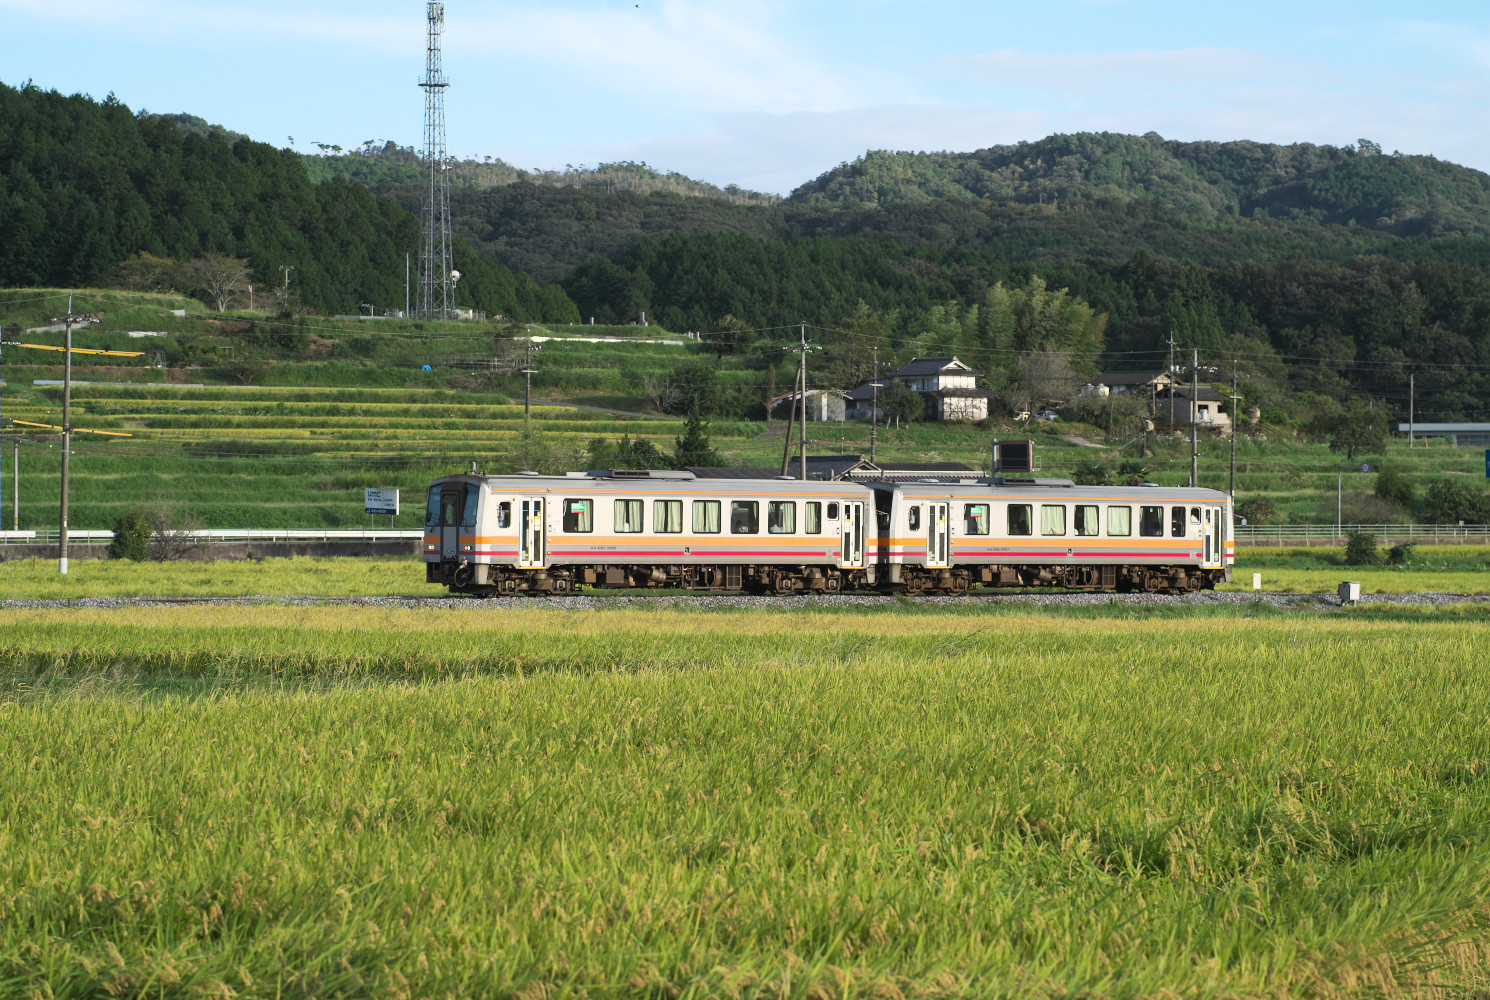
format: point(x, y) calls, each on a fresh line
point(1101, 72)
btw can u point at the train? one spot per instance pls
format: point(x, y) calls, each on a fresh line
point(500, 536)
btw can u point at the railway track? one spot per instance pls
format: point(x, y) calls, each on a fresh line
point(619, 600)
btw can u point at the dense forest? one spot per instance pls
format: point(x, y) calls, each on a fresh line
point(85, 186)
point(1327, 273)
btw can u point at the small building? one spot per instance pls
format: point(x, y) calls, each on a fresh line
point(854, 468)
point(823, 406)
point(1181, 406)
point(1457, 434)
point(1117, 383)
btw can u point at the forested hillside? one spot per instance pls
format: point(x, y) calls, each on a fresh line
point(84, 186)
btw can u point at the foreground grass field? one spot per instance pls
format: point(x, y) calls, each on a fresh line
point(290, 802)
point(1455, 569)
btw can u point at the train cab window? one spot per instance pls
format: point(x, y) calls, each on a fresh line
point(1120, 521)
point(432, 508)
point(1086, 521)
point(1151, 522)
point(470, 506)
point(1020, 519)
point(781, 517)
point(667, 516)
point(744, 517)
point(914, 517)
point(832, 512)
point(504, 514)
point(628, 515)
point(706, 517)
point(1177, 522)
point(812, 518)
point(1052, 519)
point(975, 519)
point(579, 515)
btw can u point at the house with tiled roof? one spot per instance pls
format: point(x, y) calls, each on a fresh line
point(949, 387)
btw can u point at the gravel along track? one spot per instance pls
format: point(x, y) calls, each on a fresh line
point(589, 602)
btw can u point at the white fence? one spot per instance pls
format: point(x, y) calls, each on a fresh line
point(1254, 534)
point(215, 535)
point(1330, 534)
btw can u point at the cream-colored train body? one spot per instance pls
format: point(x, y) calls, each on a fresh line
point(504, 535)
point(507, 535)
point(945, 537)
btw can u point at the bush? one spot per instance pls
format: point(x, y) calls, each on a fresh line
point(1258, 510)
point(1092, 473)
point(1360, 549)
point(1401, 555)
point(1450, 501)
point(131, 536)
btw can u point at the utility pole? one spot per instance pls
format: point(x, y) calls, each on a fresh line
point(1234, 398)
point(791, 421)
point(1411, 399)
point(528, 380)
point(66, 443)
point(874, 403)
point(803, 441)
point(285, 294)
point(1194, 424)
point(15, 490)
point(1171, 373)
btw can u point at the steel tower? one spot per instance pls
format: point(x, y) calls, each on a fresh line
point(435, 285)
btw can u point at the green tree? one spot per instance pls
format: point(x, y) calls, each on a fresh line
point(1353, 429)
point(132, 533)
point(1448, 501)
point(901, 403)
point(694, 447)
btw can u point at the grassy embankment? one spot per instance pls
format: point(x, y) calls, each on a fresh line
point(295, 802)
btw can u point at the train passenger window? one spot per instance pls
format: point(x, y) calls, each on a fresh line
point(504, 514)
point(667, 516)
point(579, 515)
point(832, 512)
point(812, 518)
point(628, 515)
point(1052, 519)
point(744, 517)
point(1086, 521)
point(975, 519)
point(470, 506)
point(1020, 519)
point(781, 517)
point(1194, 515)
point(706, 517)
point(1151, 522)
point(1120, 521)
point(1177, 522)
point(915, 517)
point(450, 509)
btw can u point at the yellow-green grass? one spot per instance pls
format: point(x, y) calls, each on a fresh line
point(39, 579)
point(1449, 569)
point(364, 802)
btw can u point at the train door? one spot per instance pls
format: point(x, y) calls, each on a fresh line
point(938, 530)
point(853, 535)
point(458, 503)
point(532, 534)
point(1211, 530)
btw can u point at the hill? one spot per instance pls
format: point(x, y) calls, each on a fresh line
point(1350, 185)
point(85, 186)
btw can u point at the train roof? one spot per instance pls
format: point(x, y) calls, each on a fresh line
point(660, 481)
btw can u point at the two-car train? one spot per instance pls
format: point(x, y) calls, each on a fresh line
point(506, 535)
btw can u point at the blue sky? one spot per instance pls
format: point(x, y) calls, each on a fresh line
point(768, 94)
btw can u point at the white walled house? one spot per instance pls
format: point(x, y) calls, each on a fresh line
point(949, 387)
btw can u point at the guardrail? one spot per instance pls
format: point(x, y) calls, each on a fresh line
point(212, 536)
point(1330, 534)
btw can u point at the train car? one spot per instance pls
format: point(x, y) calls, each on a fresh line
point(946, 537)
point(504, 535)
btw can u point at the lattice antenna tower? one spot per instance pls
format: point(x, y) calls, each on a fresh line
point(435, 284)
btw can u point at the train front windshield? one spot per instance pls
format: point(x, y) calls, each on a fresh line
point(452, 505)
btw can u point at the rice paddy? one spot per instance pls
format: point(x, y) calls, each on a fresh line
point(271, 801)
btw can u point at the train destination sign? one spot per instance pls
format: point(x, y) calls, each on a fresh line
point(380, 501)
